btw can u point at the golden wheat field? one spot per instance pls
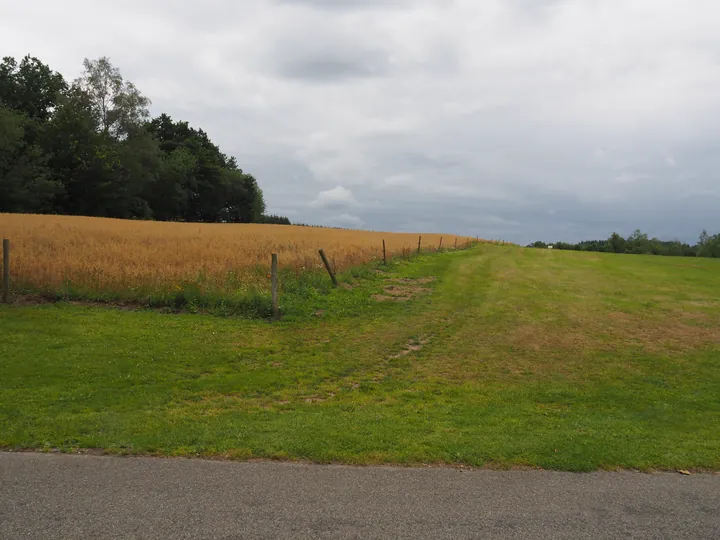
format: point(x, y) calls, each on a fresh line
point(49, 253)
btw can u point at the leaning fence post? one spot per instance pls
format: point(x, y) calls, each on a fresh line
point(274, 275)
point(6, 270)
point(328, 268)
point(440, 243)
point(384, 254)
point(419, 242)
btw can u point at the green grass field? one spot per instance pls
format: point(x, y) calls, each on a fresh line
point(508, 357)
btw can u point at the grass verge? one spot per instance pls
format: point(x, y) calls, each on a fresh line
point(495, 356)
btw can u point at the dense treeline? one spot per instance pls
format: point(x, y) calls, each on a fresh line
point(90, 148)
point(639, 243)
point(274, 220)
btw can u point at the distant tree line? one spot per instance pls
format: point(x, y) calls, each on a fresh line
point(90, 148)
point(639, 243)
point(330, 227)
point(274, 220)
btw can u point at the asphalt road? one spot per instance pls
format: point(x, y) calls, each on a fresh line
point(63, 496)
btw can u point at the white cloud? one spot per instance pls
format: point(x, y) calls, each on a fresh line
point(338, 197)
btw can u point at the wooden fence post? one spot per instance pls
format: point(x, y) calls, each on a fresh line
point(440, 243)
point(455, 246)
point(327, 267)
point(274, 275)
point(419, 242)
point(6, 270)
point(384, 254)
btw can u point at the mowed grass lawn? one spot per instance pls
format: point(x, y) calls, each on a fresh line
point(510, 357)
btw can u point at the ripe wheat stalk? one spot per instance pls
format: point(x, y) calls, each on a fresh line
point(99, 254)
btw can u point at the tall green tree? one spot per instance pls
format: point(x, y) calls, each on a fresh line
point(30, 87)
point(216, 189)
point(117, 104)
point(26, 184)
point(81, 158)
point(638, 243)
point(617, 243)
point(29, 92)
point(708, 245)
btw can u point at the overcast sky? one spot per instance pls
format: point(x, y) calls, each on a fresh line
point(513, 119)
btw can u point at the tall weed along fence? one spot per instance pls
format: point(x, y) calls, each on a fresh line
point(161, 263)
point(406, 253)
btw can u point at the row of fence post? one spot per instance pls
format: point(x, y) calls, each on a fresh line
point(419, 248)
point(273, 271)
point(328, 267)
point(274, 280)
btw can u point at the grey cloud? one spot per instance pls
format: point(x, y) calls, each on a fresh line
point(512, 119)
point(325, 55)
point(331, 66)
point(342, 5)
point(343, 220)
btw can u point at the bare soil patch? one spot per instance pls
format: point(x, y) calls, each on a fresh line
point(403, 289)
point(413, 345)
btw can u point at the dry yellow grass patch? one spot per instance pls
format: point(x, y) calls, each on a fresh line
point(111, 254)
